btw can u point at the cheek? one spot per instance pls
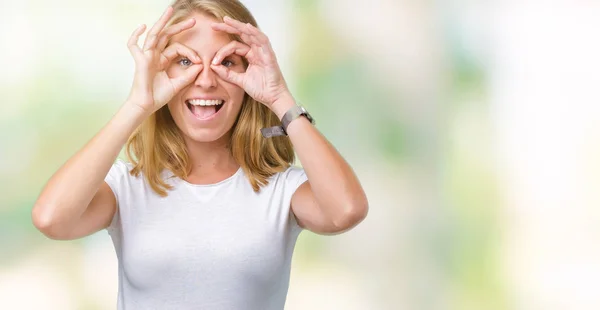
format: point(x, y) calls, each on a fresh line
point(239, 98)
point(172, 110)
point(236, 94)
point(173, 71)
point(174, 107)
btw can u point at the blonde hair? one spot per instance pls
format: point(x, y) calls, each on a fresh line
point(158, 143)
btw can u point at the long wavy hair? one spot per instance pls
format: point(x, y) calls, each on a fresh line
point(158, 144)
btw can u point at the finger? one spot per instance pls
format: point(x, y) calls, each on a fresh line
point(232, 30)
point(152, 36)
point(177, 49)
point(233, 47)
point(235, 27)
point(182, 81)
point(226, 28)
point(250, 35)
point(132, 43)
point(173, 30)
point(229, 75)
point(248, 29)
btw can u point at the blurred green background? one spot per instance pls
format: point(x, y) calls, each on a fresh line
point(474, 127)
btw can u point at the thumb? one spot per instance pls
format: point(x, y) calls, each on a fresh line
point(228, 75)
point(185, 79)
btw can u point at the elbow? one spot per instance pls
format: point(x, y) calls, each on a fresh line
point(352, 215)
point(44, 221)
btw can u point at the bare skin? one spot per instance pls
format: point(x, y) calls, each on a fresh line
point(77, 202)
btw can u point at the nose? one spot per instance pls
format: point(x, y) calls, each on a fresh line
point(207, 78)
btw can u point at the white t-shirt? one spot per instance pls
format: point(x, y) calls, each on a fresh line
point(220, 246)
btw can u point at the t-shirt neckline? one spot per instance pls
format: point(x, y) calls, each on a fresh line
point(237, 172)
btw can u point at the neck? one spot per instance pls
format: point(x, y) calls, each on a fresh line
point(210, 159)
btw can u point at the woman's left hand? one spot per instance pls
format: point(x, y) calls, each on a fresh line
point(263, 79)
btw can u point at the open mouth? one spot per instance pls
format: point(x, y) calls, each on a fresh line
point(204, 109)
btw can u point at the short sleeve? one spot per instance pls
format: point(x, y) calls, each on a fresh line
point(294, 177)
point(117, 173)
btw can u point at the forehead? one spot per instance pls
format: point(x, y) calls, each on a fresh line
point(202, 38)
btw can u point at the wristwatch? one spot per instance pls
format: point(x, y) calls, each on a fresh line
point(292, 114)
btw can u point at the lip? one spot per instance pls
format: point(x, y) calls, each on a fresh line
point(193, 117)
point(203, 98)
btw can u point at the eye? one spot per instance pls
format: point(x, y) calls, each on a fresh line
point(185, 62)
point(227, 63)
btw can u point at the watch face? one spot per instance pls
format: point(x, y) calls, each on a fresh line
point(305, 113)
point(295, 113)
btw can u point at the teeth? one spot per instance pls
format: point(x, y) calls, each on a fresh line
point(205, 102)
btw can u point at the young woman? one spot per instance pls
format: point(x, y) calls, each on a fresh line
point(207, 212)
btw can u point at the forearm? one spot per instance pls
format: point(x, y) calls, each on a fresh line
point(69, 191)
point(336, 188)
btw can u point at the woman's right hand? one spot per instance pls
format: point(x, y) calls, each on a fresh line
point(152, 88)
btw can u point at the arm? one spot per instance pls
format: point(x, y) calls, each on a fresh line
point(332, 200)
point(76, 201)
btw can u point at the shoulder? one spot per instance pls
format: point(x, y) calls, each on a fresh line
point(120, 169)
point(122, 165)
point(290, 178)
point(293, 173)
point(119, 177)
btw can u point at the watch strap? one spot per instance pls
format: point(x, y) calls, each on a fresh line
point(274, 131)
point(292, 114)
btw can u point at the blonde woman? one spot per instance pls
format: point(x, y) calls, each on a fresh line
point(206, 213)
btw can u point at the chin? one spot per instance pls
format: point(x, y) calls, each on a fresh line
point(206, 135)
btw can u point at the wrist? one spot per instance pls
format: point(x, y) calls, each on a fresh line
point(287, 111)
point(283, 104)
point(133, 112)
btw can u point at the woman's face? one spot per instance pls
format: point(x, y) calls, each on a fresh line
point(206, 109)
